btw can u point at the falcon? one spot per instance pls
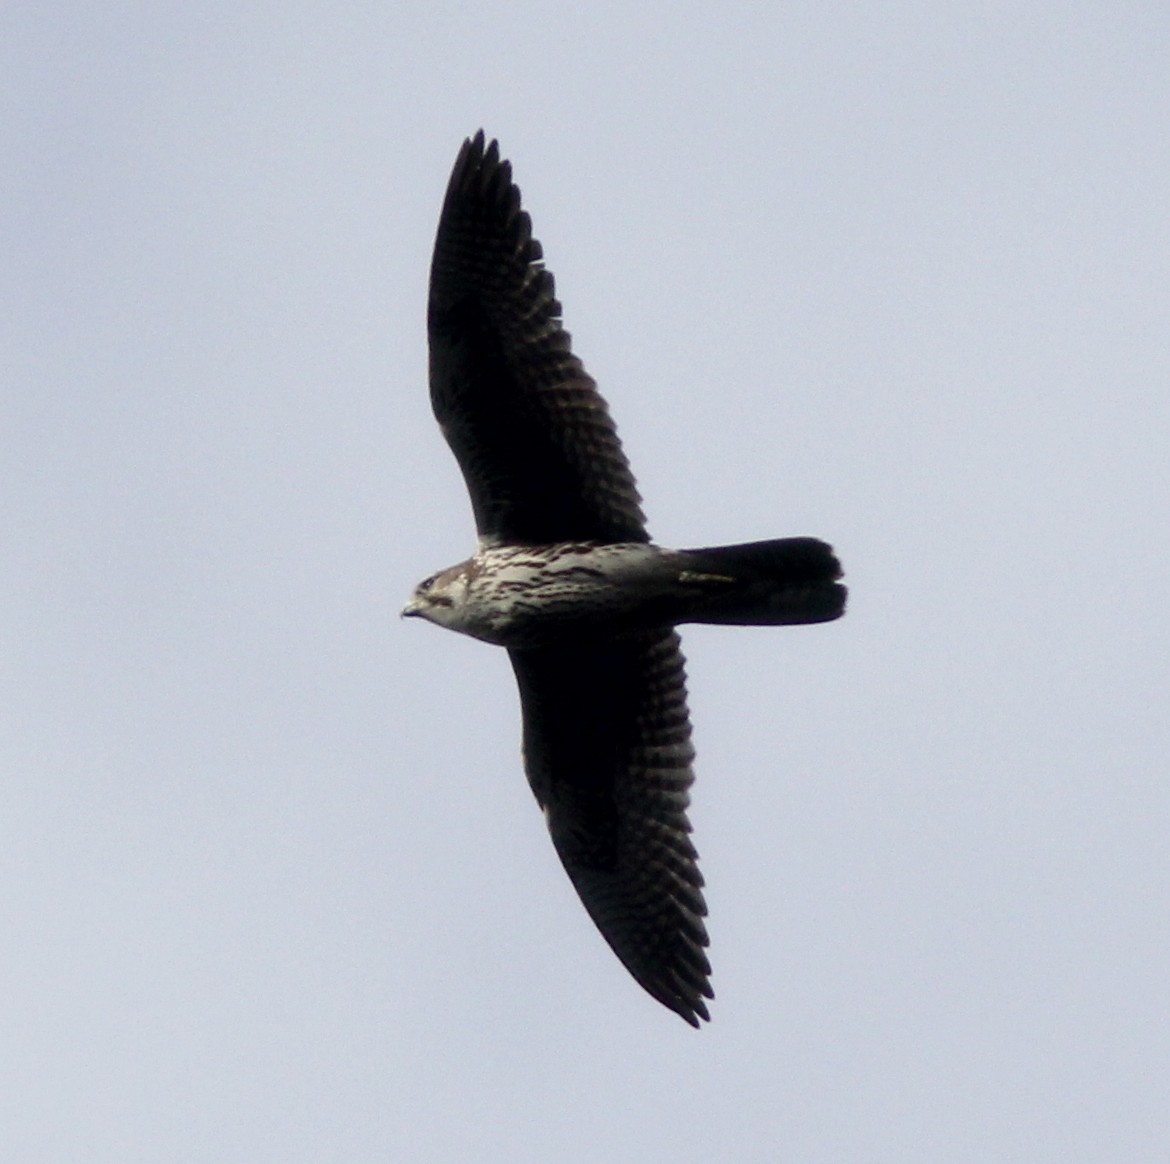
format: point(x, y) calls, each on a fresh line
point(566, 578)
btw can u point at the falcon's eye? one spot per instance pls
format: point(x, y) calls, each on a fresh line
point(424, 586)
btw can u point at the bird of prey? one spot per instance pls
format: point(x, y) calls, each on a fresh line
point(566, 578)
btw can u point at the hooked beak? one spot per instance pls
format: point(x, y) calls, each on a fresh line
point(410, 610)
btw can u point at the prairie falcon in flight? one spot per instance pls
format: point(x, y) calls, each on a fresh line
point(566, 578)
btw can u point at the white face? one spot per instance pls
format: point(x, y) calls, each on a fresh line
point(439, 598)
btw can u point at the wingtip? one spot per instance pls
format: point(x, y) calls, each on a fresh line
point(479, 169)
point(475, 144)
point(681, 991)
point(480, 148)
point(694, 1011)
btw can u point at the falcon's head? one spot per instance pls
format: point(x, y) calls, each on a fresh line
point(441, 598)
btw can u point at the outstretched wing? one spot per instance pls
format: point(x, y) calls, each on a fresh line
point(607, 747)
point(534, 438)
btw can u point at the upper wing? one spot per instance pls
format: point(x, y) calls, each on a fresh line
point(533, 436)
point(608, 752)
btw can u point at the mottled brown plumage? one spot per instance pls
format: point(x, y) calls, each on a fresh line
point(566, 579)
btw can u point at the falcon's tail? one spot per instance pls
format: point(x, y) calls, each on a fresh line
point(791, 580)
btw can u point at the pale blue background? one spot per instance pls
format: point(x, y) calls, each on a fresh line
point(272, 886)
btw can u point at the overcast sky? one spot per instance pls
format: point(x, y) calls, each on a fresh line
point(272, 884)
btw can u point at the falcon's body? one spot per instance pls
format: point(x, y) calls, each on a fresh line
point(531, 596)
point(566, 578)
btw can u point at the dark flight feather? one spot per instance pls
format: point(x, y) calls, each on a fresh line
point(607, 748)
point(538, 450)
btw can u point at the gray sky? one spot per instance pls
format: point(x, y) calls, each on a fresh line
point(272, 885)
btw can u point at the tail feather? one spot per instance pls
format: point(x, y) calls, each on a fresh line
point(781, 582)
